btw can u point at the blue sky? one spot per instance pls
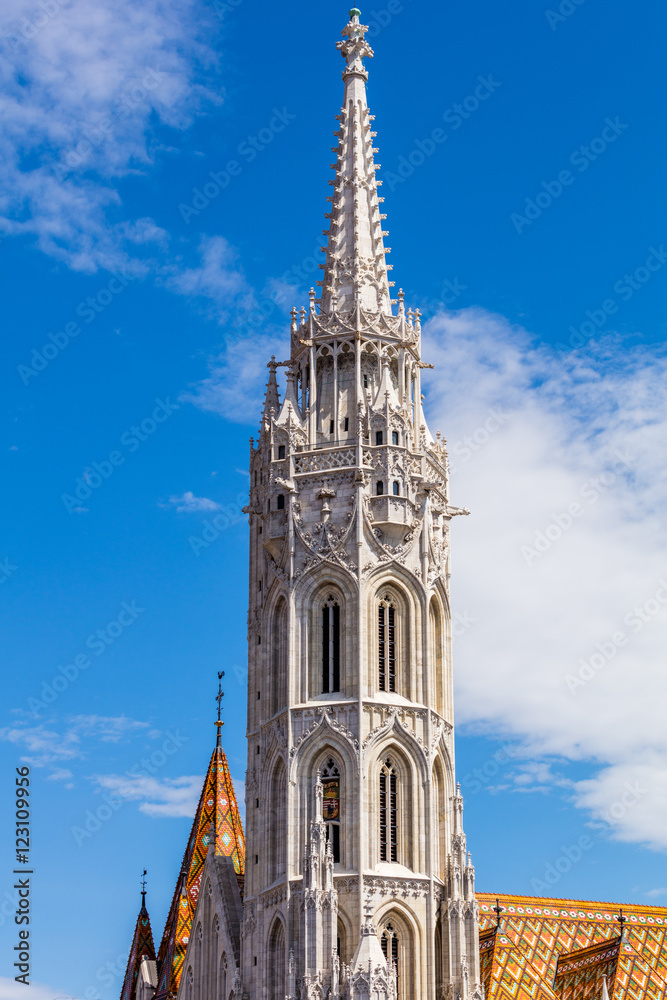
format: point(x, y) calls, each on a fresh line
point(530, 234)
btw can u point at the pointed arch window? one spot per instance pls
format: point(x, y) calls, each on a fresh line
point(389, 942)
point(396, 489)
point(388, 811)
point(276, 962)
point(330, 778)
point(379, 489)
point(222, 981)
point(331, 645)
point(387, 644)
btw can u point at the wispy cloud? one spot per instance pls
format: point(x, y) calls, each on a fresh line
point(236, 384)
point(215, 282)
point(60, 774)
point(108, 729)
point(190, 504)
point(157, 797)
point(84, 88)
point(44, 746)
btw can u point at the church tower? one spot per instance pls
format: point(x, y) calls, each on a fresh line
point(358, 882)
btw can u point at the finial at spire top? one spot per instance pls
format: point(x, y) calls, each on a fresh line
point(355, 48)
point(143, 889)
point(220, 695)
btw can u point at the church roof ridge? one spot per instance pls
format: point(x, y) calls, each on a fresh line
point(590, 949)
point(355, 268)
point(603, 904)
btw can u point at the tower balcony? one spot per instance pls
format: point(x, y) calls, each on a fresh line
point(393, 516)
point(276, 530)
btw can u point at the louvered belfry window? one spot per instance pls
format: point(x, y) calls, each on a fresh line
point(331, 646)
point(388, 812)
point(386, 645)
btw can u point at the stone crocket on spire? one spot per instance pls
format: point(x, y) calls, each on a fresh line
point(218, 822)
point(355, 269)
point(142, 947)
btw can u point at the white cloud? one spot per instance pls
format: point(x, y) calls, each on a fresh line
point(237, 384)
point(60, 774)
point(45, 746)
point(190, 504)
point(157, 797)
point(11, 990)
point(216, 282)
point(162, 798)
point(108, 729)
point(559, 423)
point(83, 88)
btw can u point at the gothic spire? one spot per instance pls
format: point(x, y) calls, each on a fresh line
point(272, 399)
point(218, 822)
point(355, 269)
point(142, 947)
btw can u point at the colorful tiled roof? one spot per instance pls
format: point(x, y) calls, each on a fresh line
point(217, 816)
point(580, 974)
point(542, 935)
point(142, 945)
point(506, 971)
